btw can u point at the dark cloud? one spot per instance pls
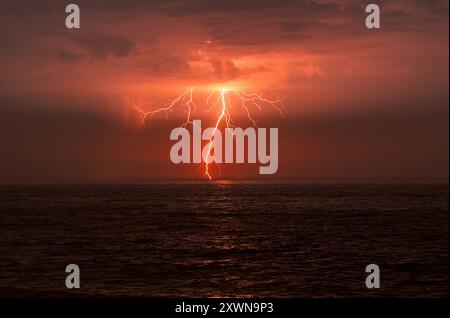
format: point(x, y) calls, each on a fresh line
point(438, 7)
point(68, 57)
point(180, 7)
point(232, 22)
point(204, 6)
point(225, 70)
point(189, 7)
point(171, 65)
point(103, 46)
point(228, 70)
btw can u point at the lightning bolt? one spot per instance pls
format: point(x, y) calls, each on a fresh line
point(216, 98)
point(224, 114)
point(185, 99)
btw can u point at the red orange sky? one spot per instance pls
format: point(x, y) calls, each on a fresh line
point(360, 104)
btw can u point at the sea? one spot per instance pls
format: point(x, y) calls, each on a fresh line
point(224, 239)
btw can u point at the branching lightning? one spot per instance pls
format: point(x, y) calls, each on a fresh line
point(222, 98)
point(185, 99)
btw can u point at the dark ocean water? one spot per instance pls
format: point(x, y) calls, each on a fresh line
point(205, 240)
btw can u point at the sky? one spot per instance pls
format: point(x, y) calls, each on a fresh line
point(358, 104)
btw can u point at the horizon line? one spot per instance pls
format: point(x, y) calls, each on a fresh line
point(361, 181)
